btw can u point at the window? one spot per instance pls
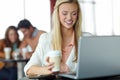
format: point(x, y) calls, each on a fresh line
point(101, 17)
point(10, 14)
point(38, 12)
point(12, 11)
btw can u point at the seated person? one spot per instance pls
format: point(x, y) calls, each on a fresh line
point(31, 36)
point(8, 71)
point(64, 37)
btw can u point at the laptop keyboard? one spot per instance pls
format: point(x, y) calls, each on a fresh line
point(71, 73)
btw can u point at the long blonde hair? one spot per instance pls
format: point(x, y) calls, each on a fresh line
point(56, 30)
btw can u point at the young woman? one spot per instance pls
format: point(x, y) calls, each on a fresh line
point(66, 23)
point(8, 71)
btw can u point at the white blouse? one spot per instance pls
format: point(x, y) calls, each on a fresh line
point(39, 55)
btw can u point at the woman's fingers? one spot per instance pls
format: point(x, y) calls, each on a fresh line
point(50, 66)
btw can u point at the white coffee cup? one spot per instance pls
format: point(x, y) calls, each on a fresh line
point(7, 51)
point(55, 57)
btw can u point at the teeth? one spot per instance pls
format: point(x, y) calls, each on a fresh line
point(69, 22)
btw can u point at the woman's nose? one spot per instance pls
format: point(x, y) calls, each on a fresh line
point(69, 16)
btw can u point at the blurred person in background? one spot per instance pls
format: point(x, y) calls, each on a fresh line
point(31, 36)
point(8, 71)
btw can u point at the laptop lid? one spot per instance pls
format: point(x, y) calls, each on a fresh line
point(98, 57)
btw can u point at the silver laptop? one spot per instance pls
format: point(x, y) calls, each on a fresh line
point(98, 57)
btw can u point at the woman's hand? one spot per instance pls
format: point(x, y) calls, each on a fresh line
point(64, 68)
point(47, 69)
point(37, 71)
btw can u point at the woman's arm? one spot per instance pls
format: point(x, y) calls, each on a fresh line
point(35, 66)
point(2, 55)
point(37, 70)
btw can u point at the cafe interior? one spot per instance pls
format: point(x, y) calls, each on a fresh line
point(99, 18)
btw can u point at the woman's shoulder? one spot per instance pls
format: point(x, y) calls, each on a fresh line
point(2, 41)
point(45, 38)
point(45, 35)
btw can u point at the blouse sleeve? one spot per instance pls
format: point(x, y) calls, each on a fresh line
point(1, 45)
point(37, 56)
point(2, 49)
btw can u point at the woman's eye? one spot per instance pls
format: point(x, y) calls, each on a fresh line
point(74, 13)
point(64, 13)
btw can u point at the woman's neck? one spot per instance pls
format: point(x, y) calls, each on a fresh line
point(67, 34)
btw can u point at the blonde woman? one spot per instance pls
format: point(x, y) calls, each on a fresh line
point(66, 23)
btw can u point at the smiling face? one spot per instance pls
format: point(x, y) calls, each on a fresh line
point(68, 13)
point(12, 36)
